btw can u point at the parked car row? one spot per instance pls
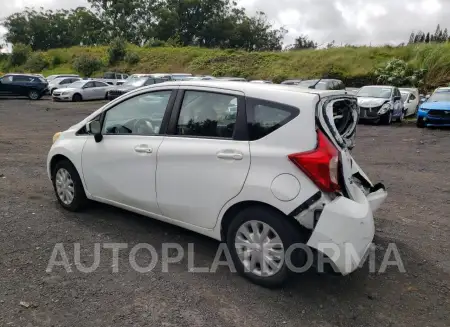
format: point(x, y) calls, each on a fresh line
point(378, 103)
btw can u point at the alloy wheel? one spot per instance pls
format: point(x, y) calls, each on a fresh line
point(34, 95)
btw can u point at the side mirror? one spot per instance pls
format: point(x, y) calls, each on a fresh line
point(95, 128)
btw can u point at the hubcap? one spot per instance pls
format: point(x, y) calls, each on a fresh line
point(64, 186)
point(34, 95)
point(259, 248)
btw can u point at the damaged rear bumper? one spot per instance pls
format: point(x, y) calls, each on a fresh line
point(345, 229)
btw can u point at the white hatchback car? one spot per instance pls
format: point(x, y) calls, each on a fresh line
point(273, 174)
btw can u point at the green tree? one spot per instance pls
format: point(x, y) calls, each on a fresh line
point(117, 50)
point(87, 65)
point(20, 54)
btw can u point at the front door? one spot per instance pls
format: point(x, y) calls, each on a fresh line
point(120, 169)
point(202, 165)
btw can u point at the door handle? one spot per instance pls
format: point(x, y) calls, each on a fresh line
point(143, 148)
point(230, 155)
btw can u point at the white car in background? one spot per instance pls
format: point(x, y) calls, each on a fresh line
point(277, 173)
point(61, 82)
point(52, 77)
point(411, 100)
point(82, 90)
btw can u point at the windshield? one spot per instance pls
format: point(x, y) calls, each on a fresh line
point(137, 81)
point(440, 96)
point(404, 96)
point(375, 92)
point(77, 84)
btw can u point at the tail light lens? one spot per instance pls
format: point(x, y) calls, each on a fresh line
point(321, 164)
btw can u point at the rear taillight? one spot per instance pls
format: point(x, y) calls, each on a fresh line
point(321, 164)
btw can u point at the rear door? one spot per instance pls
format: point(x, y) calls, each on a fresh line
point(202, 163)
point(6, 85)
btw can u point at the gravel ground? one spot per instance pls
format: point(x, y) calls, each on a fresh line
point(411, 162)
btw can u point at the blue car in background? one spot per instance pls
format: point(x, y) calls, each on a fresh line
point(436, 110)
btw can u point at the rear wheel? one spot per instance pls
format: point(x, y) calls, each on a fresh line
point(258, 239)
point(77, 98)
point(34, 95)
point(386, 119)
point(420, 123)
point(68, 187)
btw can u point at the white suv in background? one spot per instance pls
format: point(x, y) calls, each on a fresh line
point(274, 173)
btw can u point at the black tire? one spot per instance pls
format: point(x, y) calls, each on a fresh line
point(106, 95)
point(34, 95)
point(77, 97)
point(386, 119)
point(420, 123)
point(80, 200)
point(288, 234)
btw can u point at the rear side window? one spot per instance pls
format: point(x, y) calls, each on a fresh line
point(265, 117)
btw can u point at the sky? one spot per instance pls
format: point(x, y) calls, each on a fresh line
point(344, 21)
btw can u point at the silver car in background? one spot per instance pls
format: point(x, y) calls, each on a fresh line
point(61, 82)
point(82, 90)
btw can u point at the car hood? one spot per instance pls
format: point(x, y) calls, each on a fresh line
point(125, 89)
point(436, 105)
point(68, 89)
point(371, 102)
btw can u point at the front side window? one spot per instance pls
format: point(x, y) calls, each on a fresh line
point(264, 117)
point(207, 114)
point(140, 115)
point(89, 85)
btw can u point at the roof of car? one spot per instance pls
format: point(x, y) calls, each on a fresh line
point(443, 89)
point(262, 90)
point(380, 86)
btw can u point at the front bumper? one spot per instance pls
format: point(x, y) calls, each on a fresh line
point(431, 119)
point(61, 98)
point(345, 230)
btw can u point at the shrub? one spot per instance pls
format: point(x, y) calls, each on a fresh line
point(86, 65)
point(20, 54)
point(132, 58)
point(116, 51)
point(398, 73)
point(154, 43)
point(56, 60)
point(36, 63)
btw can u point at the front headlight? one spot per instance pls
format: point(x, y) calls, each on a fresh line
point(385, 108)
point(65, 93)
point(56, 137)
point(424, 110)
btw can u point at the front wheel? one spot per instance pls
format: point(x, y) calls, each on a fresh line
point(68, 187)
point(386, 119)
point(258, 239)
point(420, 123)
point(77, 97)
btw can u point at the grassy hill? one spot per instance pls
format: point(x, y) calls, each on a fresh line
point(354, 65)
